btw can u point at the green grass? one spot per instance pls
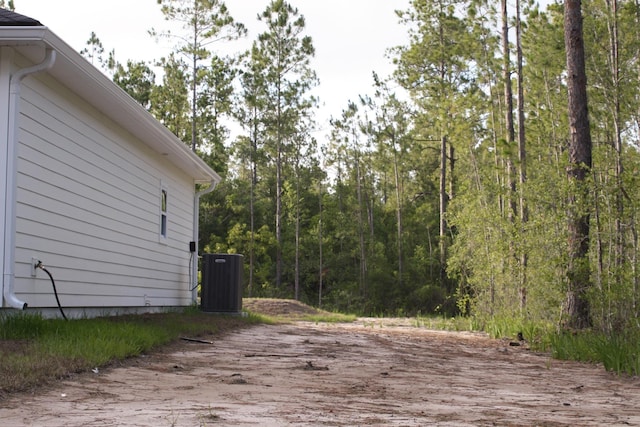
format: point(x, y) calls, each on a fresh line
point(316, 318)
point(34, 350)
point(330, 318)
point(444, 323)
point(619, 353)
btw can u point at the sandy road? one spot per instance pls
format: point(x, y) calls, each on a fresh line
point(356, 374)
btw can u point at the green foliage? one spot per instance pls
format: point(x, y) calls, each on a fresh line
point(94, 50)
point(169, 100)
point(9, 5)
point(352, 222)
point(137, 79)
point(214, 105)
point(203, 22)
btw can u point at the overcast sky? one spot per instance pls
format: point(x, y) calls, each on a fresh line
point(350, 36)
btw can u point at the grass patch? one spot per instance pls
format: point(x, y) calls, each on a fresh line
point(537, 334)
point(330, 318)
point(444, 323)
point(34, 350)
point(322, 317)
point(619, 353)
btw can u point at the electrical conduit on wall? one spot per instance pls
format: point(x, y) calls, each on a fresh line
point(11, 177)
point(196, 224)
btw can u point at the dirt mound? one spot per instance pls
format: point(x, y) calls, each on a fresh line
point(287, 308)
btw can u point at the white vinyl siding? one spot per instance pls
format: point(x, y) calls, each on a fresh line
point(88, 209)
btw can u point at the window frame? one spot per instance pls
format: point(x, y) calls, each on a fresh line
point(163, 225)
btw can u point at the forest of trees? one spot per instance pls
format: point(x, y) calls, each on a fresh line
point(453, 187)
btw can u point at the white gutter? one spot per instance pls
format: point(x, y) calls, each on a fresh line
point(94, 87)
point(12, 174)
point(196, 226)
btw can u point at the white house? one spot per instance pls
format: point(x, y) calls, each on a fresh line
point(96, 189)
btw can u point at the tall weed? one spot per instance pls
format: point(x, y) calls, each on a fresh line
point(619, 353)
point(22, 326)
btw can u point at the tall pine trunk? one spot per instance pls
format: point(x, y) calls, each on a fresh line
point(252, 214)
point(361, 228)
point(443, 211)
point(399, 197)
point(576, 309)
point(522, 157)
point(320, 246)
point(636, 278)
point(279, 190)
point(508, 100)
point(612, 6)
point(194, 103)
point(296, 285)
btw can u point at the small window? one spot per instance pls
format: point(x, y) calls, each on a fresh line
point(163, 213)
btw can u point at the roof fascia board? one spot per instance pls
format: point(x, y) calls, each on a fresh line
point(75, 72)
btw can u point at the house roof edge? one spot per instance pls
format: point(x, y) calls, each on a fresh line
point(81, 77)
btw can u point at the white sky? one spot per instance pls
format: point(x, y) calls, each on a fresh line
point(350, 36)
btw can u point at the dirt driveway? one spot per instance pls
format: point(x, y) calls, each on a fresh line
point(365, 373)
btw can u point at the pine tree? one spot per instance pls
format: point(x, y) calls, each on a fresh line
point(436, 70)
point(137, 79)
point(576, 309)
point(203, 22)
point(170, 99)
point(283, 53)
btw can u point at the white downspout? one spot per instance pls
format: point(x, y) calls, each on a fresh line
point(196, 226)
point(12, 174)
